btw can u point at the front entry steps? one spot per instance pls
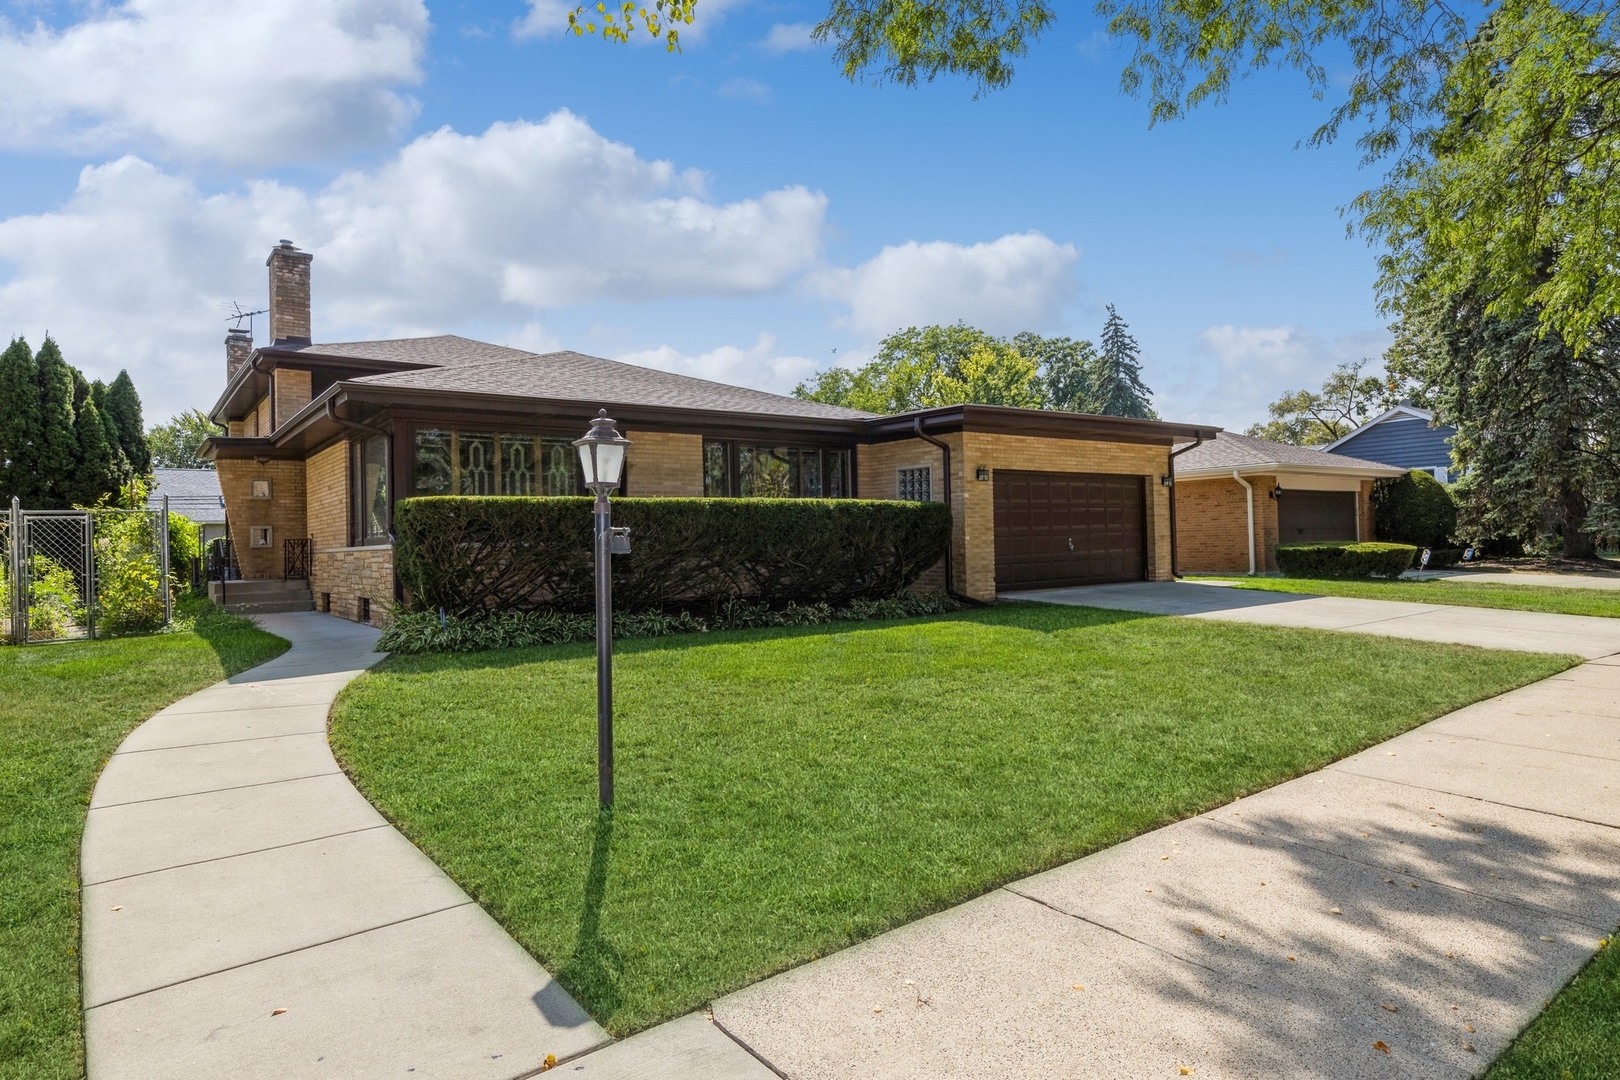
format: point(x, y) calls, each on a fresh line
point(261, 597)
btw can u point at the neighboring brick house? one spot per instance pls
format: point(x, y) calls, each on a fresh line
point(1238, 497)
point(322, 439)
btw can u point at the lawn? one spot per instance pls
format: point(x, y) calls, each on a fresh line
point(1604, 602)
point(784, 793)
point(63, 709)
point(1578, 1037)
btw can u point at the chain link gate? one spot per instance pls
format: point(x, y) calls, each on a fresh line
point(77, 574)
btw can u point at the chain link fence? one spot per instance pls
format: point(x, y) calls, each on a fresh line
point(78, 574)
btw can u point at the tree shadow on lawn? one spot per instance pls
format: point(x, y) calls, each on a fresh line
point(1014, 615)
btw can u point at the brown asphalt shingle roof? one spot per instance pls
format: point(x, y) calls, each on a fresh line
point(466, 366)
point(1229, 450)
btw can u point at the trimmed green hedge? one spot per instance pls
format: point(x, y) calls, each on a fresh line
point(1415, 509)
point(473, 555)
point(1345, 560)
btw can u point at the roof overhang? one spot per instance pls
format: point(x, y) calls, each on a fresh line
point(252, 380)
point(1038, 423)
point(1275, 468)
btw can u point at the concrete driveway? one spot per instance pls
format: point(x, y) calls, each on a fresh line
point(1585, 636)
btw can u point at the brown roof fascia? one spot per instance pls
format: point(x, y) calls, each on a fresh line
point(1041, 423)
point(225, 448)
point(301, 360)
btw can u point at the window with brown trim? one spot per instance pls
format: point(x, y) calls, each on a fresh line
point(369, 491)
point(450, 461)
point(749, 470)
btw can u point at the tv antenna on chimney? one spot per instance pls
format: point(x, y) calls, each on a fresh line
point(237, 315)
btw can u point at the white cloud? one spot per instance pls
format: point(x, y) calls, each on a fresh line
point(1253, 365)
point(789, 37)
point(215, 80)
point(1019, 282)
point(745, 90)
point(757, 365)
point(454, 230)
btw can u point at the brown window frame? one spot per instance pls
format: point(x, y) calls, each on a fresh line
point(734, 471)
point(455, 430)
point(358, 537)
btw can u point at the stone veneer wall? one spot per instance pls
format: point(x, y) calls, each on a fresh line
point(662, 464)
point(342, 576)
point(284, 511)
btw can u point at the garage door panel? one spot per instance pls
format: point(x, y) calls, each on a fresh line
point(1305, 517)
point(1055, 529)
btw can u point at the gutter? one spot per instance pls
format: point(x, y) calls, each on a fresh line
point(1248, 489)
point(1199, 441)
point(950, 538)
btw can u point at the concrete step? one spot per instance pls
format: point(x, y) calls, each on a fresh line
point(270, 607)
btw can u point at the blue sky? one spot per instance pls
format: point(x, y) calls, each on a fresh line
point(737, 210)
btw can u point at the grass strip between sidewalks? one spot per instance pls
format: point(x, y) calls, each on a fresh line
point(64, 708)
point(1484, 594)
point(787, 792)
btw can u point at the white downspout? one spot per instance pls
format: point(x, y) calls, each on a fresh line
point(1248, 489)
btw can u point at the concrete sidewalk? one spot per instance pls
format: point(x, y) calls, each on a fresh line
point(247, 913)
point(1585, 636)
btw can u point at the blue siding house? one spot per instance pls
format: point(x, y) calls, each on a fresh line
point(1403, 436)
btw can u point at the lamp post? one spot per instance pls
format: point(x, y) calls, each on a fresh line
point(601, 456)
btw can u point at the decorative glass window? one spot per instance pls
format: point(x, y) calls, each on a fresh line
point(916, 484)
point(370, 489)
point(776, 472)
point(451, 462)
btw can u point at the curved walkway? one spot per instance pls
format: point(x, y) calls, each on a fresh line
point(247, 913)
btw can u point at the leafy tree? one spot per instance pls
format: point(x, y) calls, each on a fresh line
point(123, 407)
point(122, 469)
point(991, 375)
point(57, 449)
point(174, 445)
point(1347, 400)
point(904, 374)
point(1116, 381)
point(19, 421)
point(1066, 367)
point(1538, 422)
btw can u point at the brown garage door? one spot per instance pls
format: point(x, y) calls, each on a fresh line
point(1309, 516)
point(1056, 529)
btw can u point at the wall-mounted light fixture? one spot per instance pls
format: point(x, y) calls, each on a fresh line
point(1166, 481)
point(1276, 491)
point(982, 473)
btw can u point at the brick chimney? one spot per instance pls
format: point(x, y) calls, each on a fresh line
point(289, 295)
point(238, 347)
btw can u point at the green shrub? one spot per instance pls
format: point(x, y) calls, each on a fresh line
point(185, 544)
point(1440, 558)
point(471, 555)
point(1415, 509)
point(1345, 560)
point(428, 631)
point(54, 604)
point(129, 586)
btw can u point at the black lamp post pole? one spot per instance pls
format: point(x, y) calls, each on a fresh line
point(604, 647)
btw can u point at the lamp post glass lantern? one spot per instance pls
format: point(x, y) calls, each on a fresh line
point(601, 456)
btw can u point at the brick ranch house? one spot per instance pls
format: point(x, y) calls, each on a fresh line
point(1238, 497)
point(323, 438)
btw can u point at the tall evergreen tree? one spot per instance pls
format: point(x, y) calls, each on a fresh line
point(1116, 381)
point(19, 422)
point(122, 469)
point(123, 407)
point(95, 470)
point(57, 449)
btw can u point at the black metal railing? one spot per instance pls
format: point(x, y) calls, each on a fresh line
point(296, 557)
point(221, 561)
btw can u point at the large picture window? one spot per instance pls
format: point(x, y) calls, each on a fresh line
point(744, 470)
point(370, 491)
point(455, 462)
